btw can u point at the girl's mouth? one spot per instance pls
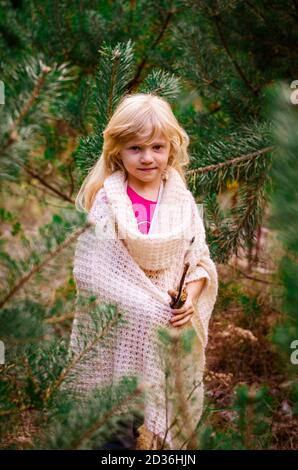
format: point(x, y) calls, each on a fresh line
point(147, 169)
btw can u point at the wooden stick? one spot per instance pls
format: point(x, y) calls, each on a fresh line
point(175, 300)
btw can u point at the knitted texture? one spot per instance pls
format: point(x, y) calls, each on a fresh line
point(134, 273)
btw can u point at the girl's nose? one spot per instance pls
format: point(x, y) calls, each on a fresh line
point(146, 156)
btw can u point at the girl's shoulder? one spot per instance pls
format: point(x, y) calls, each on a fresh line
point(100, 197)
point(99, 202)
point(191, 200)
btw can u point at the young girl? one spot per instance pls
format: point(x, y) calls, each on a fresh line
point(146, 226)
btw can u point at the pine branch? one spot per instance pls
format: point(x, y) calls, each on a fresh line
point(253, 278)
point(47, 259)
point(48, 83)
point(161, 83)
point(51, 389)
point(240, 229)
point(232, 162)
point(256, 10)
point(115, 70)
point(12, 133)
point(176, 346)
point(136, 80)
point(34, 174)
point(216, 18)
point(15, 411)
point(59, 319)
point(103, 419)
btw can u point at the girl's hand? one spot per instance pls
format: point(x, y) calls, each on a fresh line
point(181, 315)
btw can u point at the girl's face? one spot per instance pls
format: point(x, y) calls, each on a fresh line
point(137, 157)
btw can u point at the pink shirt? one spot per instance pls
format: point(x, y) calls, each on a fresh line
point(143, 209)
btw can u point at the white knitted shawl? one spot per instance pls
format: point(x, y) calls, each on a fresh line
point(124, 267)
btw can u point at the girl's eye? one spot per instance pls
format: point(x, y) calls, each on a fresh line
point(134, 147)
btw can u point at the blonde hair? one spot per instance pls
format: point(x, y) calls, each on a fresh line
point(130, 120)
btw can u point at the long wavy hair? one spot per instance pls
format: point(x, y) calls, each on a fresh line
point(143, 116)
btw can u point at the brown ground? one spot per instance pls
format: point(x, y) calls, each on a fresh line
point(239, 349)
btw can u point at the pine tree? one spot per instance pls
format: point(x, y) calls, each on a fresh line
point(64, 69)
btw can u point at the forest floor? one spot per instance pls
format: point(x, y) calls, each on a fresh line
point(240, 351)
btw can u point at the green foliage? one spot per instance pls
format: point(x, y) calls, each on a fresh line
point(76, 423)
point(65, 68)
point(250, 305)
point(35, 250)
point(250, 423)
point(285, 212)
point(32, 90)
